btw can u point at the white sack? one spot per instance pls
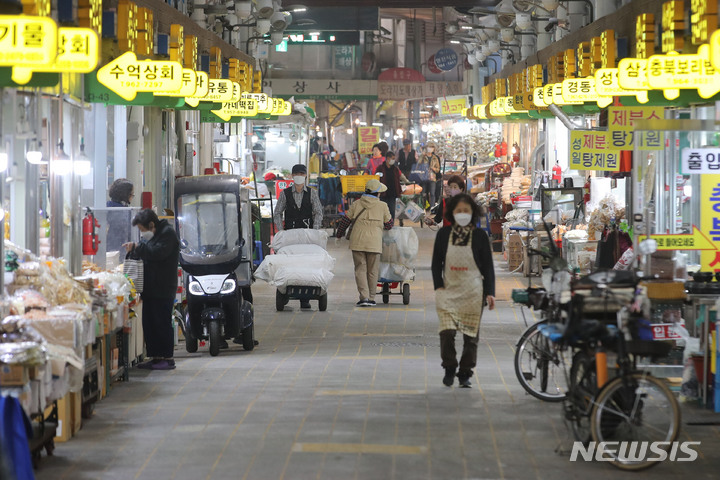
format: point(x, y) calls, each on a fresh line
point(313, 266)
point(301, 250)
point(301, 276)
point(299, 236)
point(400, 246)
point(393, 272)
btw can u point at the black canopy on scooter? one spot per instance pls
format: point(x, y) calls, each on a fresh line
point(209, 225)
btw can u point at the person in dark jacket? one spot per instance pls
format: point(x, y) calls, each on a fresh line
point(121, 194)
point(391, 177)
point(455, 186)
point(406, 157)
point(464, 281)
point(159, 250)
point(298, 206)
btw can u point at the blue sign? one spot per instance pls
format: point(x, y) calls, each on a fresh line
point(446, 59)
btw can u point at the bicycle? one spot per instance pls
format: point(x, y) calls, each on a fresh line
point(633, 406)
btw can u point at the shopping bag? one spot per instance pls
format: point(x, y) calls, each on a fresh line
point(420, 172)
point(133, 269)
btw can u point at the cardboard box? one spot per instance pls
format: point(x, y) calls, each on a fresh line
point(58, 331)
point(64, 428)
point(514, 240)
point(114, 357)
point(76, 412)
point(15, 375)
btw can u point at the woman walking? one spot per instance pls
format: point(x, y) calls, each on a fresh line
point(464, 280)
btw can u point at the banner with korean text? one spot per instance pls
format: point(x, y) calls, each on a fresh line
point(367, 137)
point(621, 124)
point(591, 150)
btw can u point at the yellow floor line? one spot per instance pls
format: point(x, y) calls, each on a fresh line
point(375, 357)
point(370, 392)
point(359, 448)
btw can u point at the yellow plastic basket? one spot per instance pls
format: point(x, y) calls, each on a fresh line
point(355, 183)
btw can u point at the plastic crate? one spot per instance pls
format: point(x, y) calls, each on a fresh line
point(356, 183)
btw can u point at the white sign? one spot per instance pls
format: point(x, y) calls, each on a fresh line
point(327, 89)
point(700, 160)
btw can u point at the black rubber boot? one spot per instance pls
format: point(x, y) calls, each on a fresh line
point(449, 377)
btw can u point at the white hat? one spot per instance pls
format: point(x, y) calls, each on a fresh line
point(375, 186)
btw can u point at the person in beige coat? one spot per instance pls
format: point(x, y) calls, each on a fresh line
point(368, 217)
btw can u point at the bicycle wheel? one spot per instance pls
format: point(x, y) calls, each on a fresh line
point(583, 388)
point(635, 407)
point(539, 365)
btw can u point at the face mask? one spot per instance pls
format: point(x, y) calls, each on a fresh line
point(299, 179)
point(391, 162)
point(147, 235)
point(454, 191)
point(463, 219)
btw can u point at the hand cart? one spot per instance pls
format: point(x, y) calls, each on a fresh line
point(397, 263)
point(387, 288)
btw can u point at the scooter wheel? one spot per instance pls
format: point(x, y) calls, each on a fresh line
point(322, 303)
point(406, 293)
point(280, 301)
point(248, 337)
point(215, 331)
point(191, 344)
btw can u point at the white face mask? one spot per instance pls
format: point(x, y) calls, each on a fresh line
point(147, 235)
point(463, 219)
point(391, 162)
point(299, 179)
point(454, 191)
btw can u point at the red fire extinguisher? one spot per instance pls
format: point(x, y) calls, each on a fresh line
point(90, 240)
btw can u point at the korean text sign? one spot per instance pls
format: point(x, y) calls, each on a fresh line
point(367, 137)
point(700, 160)
point(621, 123)
point(710, 220)
point(590, 150)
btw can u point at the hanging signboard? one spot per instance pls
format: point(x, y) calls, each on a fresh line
point(126, 76)
point(446, 59)
point(607, 85)
point(673, 72)
point(188, 88)
point(27, 42)
point(202, 87)
point(219, 90)
point(700, 160)
point(263, 101)
point(539, 97)
point(78, 52)
point(452, 105)
point(710, 220)
point(326, 89)
point(590, 150)
point(579, 90)
point(558, 97)
point(246, 107)
point(479, 111)
point(367, 137)
point(621, 124)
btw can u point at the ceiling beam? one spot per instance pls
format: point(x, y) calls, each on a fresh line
point(395, 3)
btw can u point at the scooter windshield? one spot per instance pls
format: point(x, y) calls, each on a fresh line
point(208, 228)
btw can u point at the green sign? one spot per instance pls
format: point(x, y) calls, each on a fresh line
point(46, 79)
point(209, 117)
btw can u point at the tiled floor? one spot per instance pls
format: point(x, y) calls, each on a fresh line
point(346, 394)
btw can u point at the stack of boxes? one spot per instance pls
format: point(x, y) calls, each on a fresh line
point(514, 251)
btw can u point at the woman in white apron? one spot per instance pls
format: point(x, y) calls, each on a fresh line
point(464, 280)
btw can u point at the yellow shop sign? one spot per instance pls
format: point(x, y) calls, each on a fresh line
point(126, 76)
point(219, 90)
point(78, 52)
point(580, 90)
point(591, 150)
point(673, 72)
point(263, 101)
point(607, 84)
point(632, 74)
point(246, 107)
point(539, 97)
point(27, 41)
point(202, 87)
point(189, 85)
